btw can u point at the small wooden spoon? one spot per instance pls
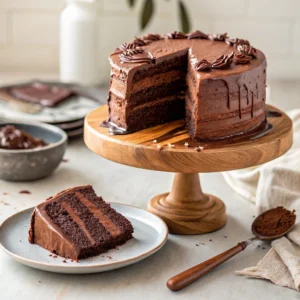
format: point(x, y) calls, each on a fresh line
point(187, 277)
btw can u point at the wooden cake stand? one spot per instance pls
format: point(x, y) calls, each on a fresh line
point(186, 209)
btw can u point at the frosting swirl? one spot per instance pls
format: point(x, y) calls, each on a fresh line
point(176, 35)
point(218, 37)
point(137, 56)
point(197, 34)
point(138, 42)
point(247, 50)
point(235, 42)
point(201, 65)
point(242, 58)
point(151, 37)
point(222, 62)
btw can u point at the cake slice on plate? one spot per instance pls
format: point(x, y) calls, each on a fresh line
point(76, 223)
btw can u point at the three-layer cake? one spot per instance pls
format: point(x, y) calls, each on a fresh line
point(216, 83)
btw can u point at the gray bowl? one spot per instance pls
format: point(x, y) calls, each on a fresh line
point(32, 164)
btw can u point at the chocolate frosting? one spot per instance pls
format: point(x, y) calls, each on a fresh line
point(16, 139)
point(201, 65)
point(197, 34)
point(223, 62)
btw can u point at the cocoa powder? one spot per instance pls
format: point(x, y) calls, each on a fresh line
point(275, 221)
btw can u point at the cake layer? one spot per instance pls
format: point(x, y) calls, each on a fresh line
point(78, 224)
point(118, 87)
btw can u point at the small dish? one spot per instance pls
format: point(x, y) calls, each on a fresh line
point(32, 164)
point(150, 234)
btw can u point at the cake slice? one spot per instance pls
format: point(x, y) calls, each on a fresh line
point(76, 224)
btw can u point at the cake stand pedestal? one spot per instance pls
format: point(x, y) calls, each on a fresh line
point(186, 209)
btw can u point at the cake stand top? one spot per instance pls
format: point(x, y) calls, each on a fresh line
point(138, 149)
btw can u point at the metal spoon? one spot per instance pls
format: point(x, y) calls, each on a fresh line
point(187, 277)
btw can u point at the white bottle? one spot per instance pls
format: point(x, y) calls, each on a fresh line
point(78, 43)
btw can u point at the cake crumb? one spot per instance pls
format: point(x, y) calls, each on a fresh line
point(109, 257)
point(64, 261)
point(25, 192)
point(65, 160)
point(40, 281)
point(210, 240)
point(186, 144)
point(202, 244)
point(197, 245)
point(154, 141)
point(263, 248)
point(197, 149)
point(4, 194)
point(225, 236)
point(50, 255)
point(55, 256)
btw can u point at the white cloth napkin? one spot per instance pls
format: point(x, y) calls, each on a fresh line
point(276, 183)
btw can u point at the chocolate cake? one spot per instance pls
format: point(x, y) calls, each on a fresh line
point(16, 139)
point(216, 83)
point(76, 223)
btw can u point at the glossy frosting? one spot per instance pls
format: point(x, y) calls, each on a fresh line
point(225, 79)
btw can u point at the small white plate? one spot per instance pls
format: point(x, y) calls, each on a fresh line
point(74, 108)
point(150, 234)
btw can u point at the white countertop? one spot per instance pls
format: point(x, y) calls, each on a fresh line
point(146, 279)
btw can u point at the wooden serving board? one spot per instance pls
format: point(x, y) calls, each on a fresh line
point(138, 149)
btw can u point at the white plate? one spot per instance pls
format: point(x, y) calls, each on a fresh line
point(76, 107)
point(150, 234)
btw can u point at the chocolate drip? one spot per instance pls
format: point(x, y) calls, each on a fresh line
point(196, 35)
point(252, 104)
point(273, 114)
point(240, 106)
point(113, 128)
point(228, 93)
point(247, 93)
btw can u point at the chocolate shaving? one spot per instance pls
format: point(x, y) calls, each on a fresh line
point(218, 37)
point(176, 35)
point(201, 65)
point(223, 62)
point(196, 35)
point(151, 37)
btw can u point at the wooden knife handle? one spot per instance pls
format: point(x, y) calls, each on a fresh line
point(185, 278)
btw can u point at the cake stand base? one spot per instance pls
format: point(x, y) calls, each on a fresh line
point(186, 209)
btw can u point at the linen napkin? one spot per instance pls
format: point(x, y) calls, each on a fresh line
point(276, 183)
